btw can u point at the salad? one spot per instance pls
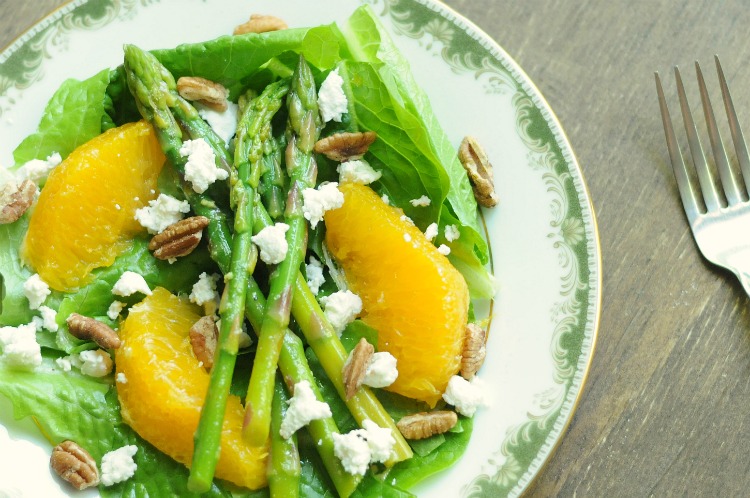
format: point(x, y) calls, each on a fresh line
point(299, 174)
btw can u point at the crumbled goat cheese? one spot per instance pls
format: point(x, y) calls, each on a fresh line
point(357, 171)
point(19, 346)
point(465, 396)
point(129, 283)
point(332, 101)
point(37, 170)
point(353, 451)
point(317, 202)
point(315, 277)
point(36, 291)
point(379, 439)
point(200, 169)
point(96, 363)
point(444, 250)
point(385, 199)
point(64, 363)
point(423, 201)
point(405, 218)
point(120, 377)
point(272, 243)
point(49, 318)
point(118, 465)
point(115, 309)
point(407, 237)
point(381, 370)
point(223, 123)
point(452, 233)
point(432, 231)
point(361, 447)
point(204, 290)
point(161, 212)
point(303, 408)
point(340, 308)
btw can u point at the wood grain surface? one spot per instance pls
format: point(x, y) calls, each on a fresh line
point(665, 409)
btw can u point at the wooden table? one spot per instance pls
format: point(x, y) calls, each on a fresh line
point(664, 411)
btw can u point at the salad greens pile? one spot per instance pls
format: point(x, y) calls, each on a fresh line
point(413, 154)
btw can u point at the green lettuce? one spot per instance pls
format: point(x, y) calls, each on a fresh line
point(72, 117)
point(85, 410)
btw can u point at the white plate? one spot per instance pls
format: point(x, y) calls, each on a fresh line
point(544, 240)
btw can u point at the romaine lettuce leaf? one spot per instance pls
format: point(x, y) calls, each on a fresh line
point(73, 116)
point(85, 410)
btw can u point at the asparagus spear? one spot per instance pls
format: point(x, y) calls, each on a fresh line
point(155, 93)
point(327, 346)
point(294, 367)
point(284, 468)
point(304, 128)
point(253, 129)
point(272, 182)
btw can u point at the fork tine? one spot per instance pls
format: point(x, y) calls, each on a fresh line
point(678, 164)
point(740, 146)
point(720, 155)
point(705, 178)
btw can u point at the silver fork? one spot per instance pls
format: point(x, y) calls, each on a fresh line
point(721, 229)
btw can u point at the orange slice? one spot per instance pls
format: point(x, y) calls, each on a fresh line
point(165, 387)
point(84, 217)
point(411, 294)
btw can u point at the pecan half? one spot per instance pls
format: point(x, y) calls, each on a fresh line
point(356, 366)
point(260, 23)
point(477, 165)
point(178, 239)
point(75, 465)
point(16, 200)
point(203, 337)
point(425, 424)
point(90, 329)
point(345, 146)
point(207, 92)
point(474, 350)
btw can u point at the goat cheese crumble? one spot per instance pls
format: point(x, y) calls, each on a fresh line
point(161, 212)
point(431, 231)
point(129, 283)
point(36, 291)
point(465, 396)
point(361, 447)
point(48, 319)
point(118, 465)
point(200, 169)
point(332, 100)
point(19, 346)
point(381, 370)
point(272, 243)
point(303, 408)
point(223, 123)
point(341, 308)
point(204, 290)
point(37, 170)
point(452, 233)
point(385, 199)
point(444, 250)
point(423, 201)
point(357, 171)
point(315, 277)
point(317, 201)
point(120, 377)
point(95, 362)
point(115, 309)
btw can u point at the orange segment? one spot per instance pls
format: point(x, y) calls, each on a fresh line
point(84, 217)
point(411, 294)
point(165, 387)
